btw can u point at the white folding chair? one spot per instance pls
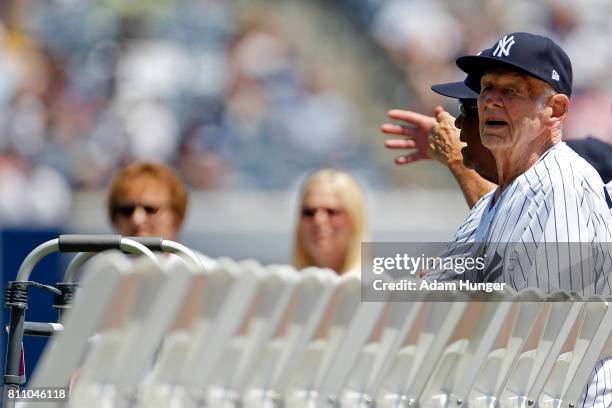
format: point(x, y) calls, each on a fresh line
point(463, 359)
point(168, 334)
point(120, 338)
point(139, 350)
point(377, 357)
point(282, 354)
point(205, 353)
point(528, 306)
point(100, 293)
point(277, 284)
point(535, 366)
point(573, 369)
point(317, 358)
point(359, 331)
point(415, 361)
point(207, 296)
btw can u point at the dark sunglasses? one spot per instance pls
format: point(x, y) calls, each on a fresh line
point(308, 212)
point(466, 109)
point(127, 209)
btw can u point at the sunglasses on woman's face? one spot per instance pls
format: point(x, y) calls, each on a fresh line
point(127, 209)
point(466, 109)
point(310, 212)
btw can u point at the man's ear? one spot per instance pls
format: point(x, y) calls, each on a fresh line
point(560, 106)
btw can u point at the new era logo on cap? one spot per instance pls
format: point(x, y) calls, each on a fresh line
point(532, 54)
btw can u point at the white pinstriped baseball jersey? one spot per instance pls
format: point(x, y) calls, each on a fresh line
point(524, 235)
point(560, 199)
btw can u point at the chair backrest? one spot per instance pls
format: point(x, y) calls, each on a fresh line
point(204, 358)
point(155, 316)
point(241, 334)
point(107, 281)
point(573, 369)
point(494, 375)
point(343, 362)
point(535, 366)
point(414, 363)
point(459, 376)
point(120, 333)
point(280, 357)
point(275, 291)
point(376, 358)
point(317, 358)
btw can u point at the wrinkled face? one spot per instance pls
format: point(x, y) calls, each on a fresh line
point(475, 155)
point(509, 111)
point(144, 210)
point(325, 228)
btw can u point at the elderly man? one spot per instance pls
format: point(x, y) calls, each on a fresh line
point(548, 196)
point(546, 192)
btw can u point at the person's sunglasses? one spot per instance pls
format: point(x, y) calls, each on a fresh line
point(127, 209)
point(466, 109)
point(308, 212)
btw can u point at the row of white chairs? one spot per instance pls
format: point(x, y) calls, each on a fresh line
point(171, 334)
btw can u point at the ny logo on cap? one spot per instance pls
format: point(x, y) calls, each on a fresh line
point(503, 47)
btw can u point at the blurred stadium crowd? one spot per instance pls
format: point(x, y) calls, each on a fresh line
point(224, 96)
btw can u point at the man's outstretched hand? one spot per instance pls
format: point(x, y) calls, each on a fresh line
point(414, 134)
point(426, 137)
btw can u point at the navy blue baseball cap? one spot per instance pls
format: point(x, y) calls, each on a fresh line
point(532, 54)
point(459, 90)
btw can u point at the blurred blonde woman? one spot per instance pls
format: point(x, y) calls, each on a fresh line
point(332, 223)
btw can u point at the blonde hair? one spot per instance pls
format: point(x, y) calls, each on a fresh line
point(352, 201)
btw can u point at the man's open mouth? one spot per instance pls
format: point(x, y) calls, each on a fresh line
point(496, 123)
